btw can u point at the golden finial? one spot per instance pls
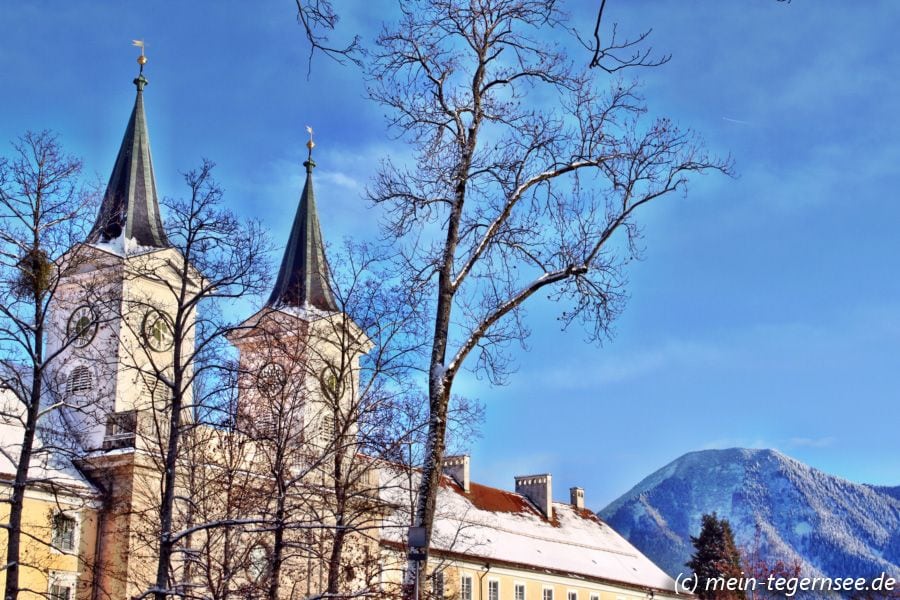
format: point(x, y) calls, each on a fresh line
point(309, 164)
point(142, 59)
point(310, 144)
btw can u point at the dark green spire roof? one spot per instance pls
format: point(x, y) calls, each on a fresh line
point(130, 204)
point(303, 278)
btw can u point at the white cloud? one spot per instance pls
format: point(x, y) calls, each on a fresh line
point(807, 442)
point(738, 442)
point(621, 368)
point(339, 179)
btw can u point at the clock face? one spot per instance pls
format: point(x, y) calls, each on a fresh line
point(329, 381)
point(82, 326)
point(271, 379)
point(157, 330)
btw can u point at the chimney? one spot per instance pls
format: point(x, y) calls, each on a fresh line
point(576, 497)
point(457, 467)
point(538, 489)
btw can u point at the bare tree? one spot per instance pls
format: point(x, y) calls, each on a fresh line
point(618, 53)
point(380, 345)
point(319, 391)
point(227, 487)
point(318, 18)
point(42, 216)
point(609, 53)
point(527, 179)
point(214, 259)
point(274, 411)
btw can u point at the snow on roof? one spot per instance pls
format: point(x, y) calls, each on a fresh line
point(307, 311)
point(489, 523)
point(46, 466)
point(123, 246)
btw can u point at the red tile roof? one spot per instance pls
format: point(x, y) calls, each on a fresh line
point(492, 499)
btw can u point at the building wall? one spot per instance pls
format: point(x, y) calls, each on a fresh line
point(42, 563)
point(122, 292)
point(482, 573)
point(535, 583)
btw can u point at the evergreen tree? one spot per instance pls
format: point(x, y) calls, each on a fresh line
point(715, 557)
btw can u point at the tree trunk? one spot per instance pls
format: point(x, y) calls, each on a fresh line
point(17, 500)
point(167, 506)
point(334, 562)
point(337, 547)
point(438, 396)
point(439, 380)
point(277, 543)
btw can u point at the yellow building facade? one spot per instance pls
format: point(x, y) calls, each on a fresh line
point(59, 525)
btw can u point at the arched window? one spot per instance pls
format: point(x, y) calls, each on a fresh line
point(80, 381)
point(258, 563)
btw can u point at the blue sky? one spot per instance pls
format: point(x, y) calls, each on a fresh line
point(766, 310)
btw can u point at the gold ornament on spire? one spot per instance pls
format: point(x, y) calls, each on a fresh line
point(309, 163)
point(142, 59)
point(310, 144)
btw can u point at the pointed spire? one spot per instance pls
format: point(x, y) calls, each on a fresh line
point(303, 277)
point(130, 205)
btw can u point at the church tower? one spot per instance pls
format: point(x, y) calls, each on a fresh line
point(299, 355)
point(111, 320)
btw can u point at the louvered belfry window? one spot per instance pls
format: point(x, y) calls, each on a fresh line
point(156, 391)
point(79, 381)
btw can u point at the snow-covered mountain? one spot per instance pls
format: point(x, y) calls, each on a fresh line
point(836, 527)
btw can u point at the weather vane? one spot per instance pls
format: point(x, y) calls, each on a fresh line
point(142, 60)
point(310, 144)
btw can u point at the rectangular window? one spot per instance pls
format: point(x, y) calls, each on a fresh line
point(548, 593)
point(437, 584)
point(493, 590)
point(520, 591)
point(120, 429)
point(595, 596)
point(572, 595)
point(465, 587)
point(60, 591)
point(64, 533)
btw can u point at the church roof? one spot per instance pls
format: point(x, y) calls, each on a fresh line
point(50, 466)
point(130, 205)
point(303, 279)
